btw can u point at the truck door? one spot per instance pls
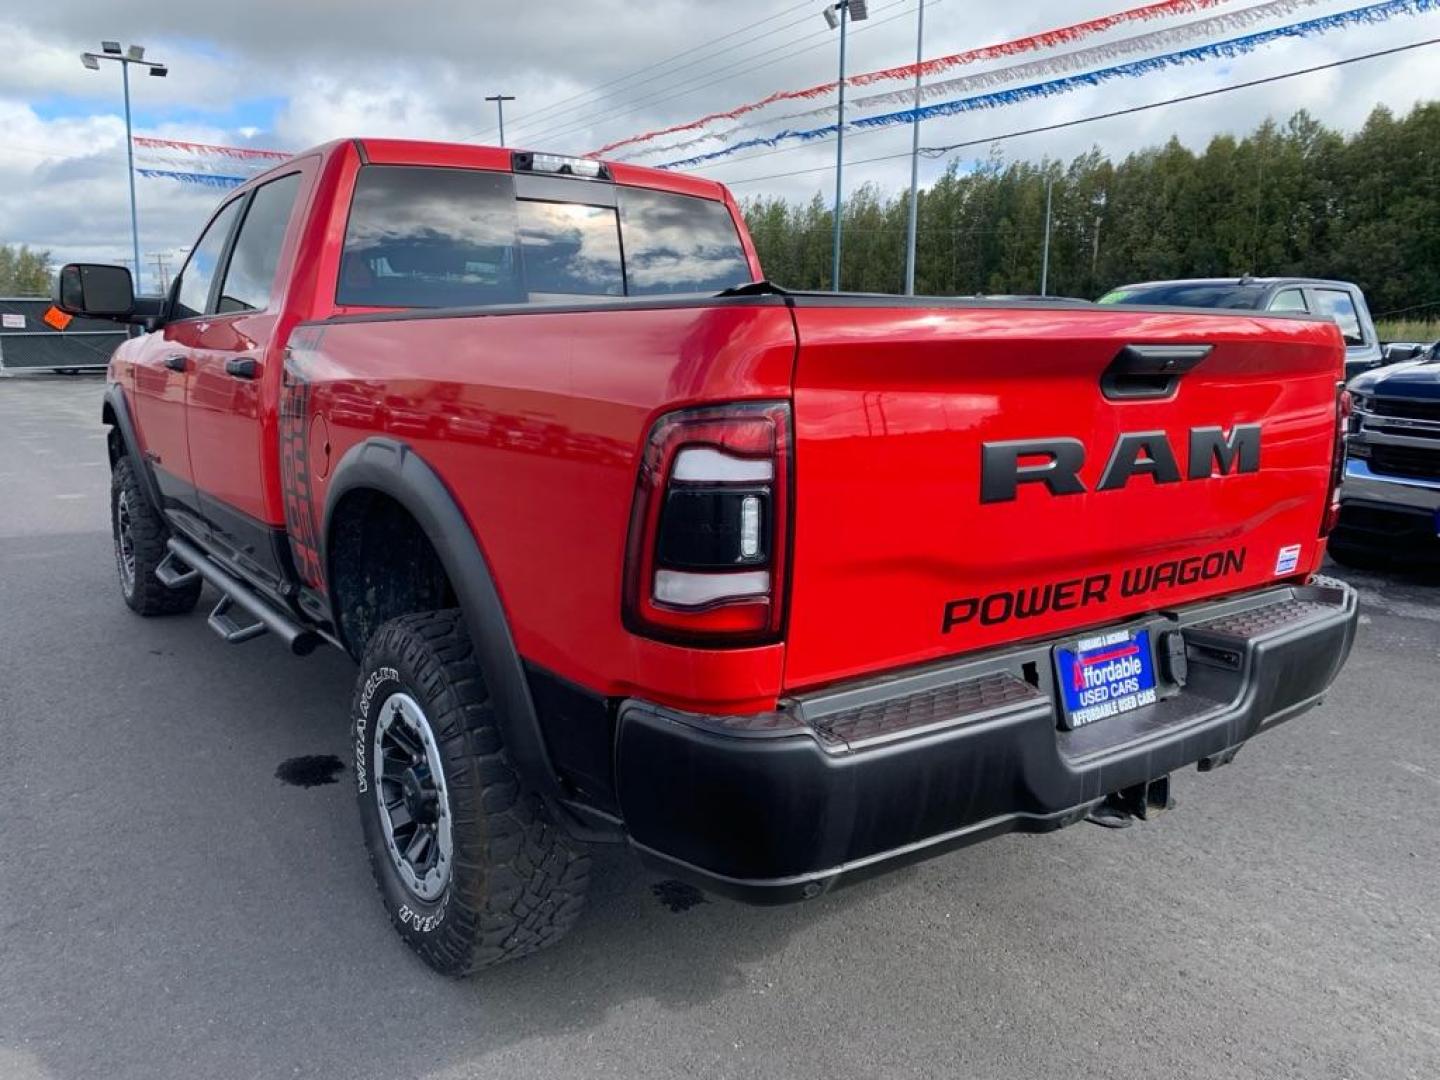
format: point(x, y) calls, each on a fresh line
point(167, 362)
point(228, 387)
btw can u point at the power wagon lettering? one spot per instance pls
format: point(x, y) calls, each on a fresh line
point(1076, 593)
point(1057, 462)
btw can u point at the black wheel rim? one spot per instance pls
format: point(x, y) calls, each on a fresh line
point(411, 797)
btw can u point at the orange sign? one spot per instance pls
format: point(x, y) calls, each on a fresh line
point(57, 318)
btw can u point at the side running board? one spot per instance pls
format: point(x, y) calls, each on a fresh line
point(233, 633)
point(174, 574)
point(264, 617)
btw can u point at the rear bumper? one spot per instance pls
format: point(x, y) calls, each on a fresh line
point(860, 778)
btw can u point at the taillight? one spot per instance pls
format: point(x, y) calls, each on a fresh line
point(1343, 408)
point(708, 548)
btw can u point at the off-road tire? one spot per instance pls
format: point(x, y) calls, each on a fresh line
point(516, 881)
point(143, 591)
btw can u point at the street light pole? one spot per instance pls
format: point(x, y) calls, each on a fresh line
point(135, 54)
point(912, 224)
point(839, 15)
point(130, 175)
point(499, 100)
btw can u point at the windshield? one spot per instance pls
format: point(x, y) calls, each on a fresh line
point(1189, 294)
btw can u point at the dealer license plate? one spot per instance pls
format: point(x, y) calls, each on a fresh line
point(1104, 676)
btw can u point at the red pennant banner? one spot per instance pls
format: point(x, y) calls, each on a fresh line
point(244, 153)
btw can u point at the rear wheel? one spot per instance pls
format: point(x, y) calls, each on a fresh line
point(140, 534)
point(470, 867)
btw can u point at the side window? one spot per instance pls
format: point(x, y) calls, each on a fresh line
point(679, 244)
point(569, 249)
point(1289, 300)
point(430, 237)
point(256, 254)
point(1338, 305)
point(193, 295)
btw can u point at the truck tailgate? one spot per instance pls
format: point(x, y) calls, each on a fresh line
point(901, 555)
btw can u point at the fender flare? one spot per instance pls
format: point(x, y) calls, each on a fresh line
point(397, 471)
point(116, 405)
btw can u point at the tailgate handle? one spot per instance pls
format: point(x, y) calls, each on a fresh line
point(1150, 371)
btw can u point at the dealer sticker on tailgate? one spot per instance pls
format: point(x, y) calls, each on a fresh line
point(1105, 676)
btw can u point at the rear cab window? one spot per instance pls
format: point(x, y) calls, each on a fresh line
point(1290, 300)
point(1188, 294)
point(426, 237)
point(569, 250)
point(679, 244)
point(1338, 305)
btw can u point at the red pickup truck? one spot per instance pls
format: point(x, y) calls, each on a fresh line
point(781, 589)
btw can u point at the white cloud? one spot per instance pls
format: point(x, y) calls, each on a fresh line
point(423, 70)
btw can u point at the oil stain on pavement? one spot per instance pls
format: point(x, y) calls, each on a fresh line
point(310, 771)
point(677, 896)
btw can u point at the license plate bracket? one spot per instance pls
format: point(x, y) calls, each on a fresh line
point(1104, 675)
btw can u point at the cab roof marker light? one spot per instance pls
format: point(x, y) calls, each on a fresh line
point(559, 165)
point(706, 465)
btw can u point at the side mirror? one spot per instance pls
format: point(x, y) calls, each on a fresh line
point(95, 290)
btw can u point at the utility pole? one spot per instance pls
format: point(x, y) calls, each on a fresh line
point(499, 100)
point(839, 15)
point(161, 270)
point(912, 224)
point(1045, 258)
point(135, 54)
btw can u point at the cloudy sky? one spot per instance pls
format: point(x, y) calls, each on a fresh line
point(289, 74)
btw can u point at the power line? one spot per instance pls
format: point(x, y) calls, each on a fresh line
point(595, 98)
point(590, 91)
point(1407, 310)
point(722, 74)
point(690, 85)
point(566, 117)
point(941, 151)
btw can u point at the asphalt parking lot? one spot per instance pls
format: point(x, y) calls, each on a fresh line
point(170, 907)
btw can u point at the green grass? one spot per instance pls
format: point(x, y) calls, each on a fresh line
point(1423, 330)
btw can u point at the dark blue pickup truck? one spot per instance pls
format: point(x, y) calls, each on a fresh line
point(1390, 500)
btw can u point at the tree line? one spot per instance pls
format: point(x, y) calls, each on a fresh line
point(1288, 199)
point(24, 272)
